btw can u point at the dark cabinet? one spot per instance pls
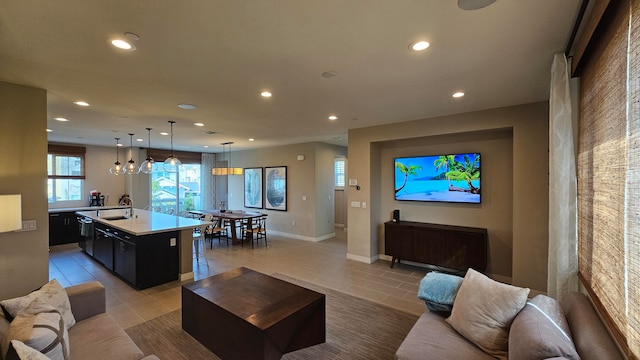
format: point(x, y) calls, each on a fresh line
point(63, 228)
point(143, 261)
point(452, 247)
point(103, 247)
point(124, 259)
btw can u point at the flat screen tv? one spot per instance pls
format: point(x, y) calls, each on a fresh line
point(443, 178)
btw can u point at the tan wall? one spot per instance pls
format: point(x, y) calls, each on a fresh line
point(493, 213)
point(311, 178)
point(520, 242)
point(24, 256)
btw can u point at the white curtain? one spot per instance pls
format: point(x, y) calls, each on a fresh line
point(208, 181)
point(563, 240)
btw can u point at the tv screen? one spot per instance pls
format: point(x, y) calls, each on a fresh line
point(444, 178)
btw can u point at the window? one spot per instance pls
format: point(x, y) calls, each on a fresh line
point(177, 192)
point(339, 172)
point(609, 172)
point(65, 172)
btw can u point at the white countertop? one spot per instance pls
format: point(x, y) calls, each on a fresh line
point(146, 222)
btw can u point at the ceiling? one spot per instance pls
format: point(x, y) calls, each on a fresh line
point(221, 54)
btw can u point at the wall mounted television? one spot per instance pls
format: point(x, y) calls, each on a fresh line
point(439, 178)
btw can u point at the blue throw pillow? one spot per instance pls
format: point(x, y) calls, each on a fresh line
point(438, 291)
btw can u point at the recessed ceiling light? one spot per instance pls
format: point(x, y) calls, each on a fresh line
point(49, 130)
point(187, 106)
point(164, 133)
point(333, 117)
point(329, 74)
point(419, 45)
point(81, 103)
point(205, 146)
point(60, 119)
point(122, 44)
point(132, 36)
point(266, 94)
point(198, 124)
point(474, 4)
point(458, 94)
point(252, 139)
point(139, 140)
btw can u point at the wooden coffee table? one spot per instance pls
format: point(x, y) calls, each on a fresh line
point(244, 314)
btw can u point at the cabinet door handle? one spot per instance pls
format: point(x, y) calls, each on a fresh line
point(122, 246)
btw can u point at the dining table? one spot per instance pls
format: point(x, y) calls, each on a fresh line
point(233, 216)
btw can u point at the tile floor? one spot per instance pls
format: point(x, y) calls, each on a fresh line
point(323, 263)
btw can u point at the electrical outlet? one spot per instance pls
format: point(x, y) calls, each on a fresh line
point(293, 223)
point(172, 242)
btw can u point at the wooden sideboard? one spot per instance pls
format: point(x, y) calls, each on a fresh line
point(452, 247)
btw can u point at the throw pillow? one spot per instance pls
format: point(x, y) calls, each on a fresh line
point(19, 351)
point(41, 327)
point(52, 293)
point(438, 291)
point(483, 312)
point(541, 331)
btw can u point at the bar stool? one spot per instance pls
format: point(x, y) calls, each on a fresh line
point(198, 244)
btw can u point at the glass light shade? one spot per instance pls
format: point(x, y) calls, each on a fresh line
point(149, 166)
point(172, 164)
point(131, 168)
point(117, 168)
point(10, 213)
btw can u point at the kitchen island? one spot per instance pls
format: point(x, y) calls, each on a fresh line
point(146, 248)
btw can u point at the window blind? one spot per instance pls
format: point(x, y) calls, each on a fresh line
point(609, 172)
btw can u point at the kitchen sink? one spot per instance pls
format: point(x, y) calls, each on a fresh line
point(119, 217)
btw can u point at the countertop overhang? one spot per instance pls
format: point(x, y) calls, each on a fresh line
point(144, 222)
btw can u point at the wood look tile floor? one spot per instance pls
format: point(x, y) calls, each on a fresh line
point(322, 263)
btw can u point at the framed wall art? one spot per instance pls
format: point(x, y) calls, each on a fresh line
point(275, 188)
point(253, 188)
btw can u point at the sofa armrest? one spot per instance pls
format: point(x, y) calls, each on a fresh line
point(589, 334)
point(87, 299)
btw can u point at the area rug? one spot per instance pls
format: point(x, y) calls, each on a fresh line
point(355, 329)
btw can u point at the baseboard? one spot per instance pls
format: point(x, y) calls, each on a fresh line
point(363, 259)
point(186, 276)
point(301, 237)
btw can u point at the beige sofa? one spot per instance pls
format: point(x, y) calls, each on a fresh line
point(95, 335)
point(433, 338)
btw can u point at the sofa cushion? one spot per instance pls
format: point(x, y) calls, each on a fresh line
point(19, 351)
point(52, 293)
point(483, 311)
point(431, 337)
point(100, 337)
point(438, 291)
point(540, 331)
point(41, 327)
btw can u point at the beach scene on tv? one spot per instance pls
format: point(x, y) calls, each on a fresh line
point(446, 178)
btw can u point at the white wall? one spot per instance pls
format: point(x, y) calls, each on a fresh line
point(311, 178)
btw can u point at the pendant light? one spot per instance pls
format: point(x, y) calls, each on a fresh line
point(131, 168)
point(228, 170)
point(172, 163)
point(116, 169)
point(149, 165)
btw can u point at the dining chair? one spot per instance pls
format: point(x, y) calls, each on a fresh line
point(217, 230)
point(170, 211)
point(257, 230)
